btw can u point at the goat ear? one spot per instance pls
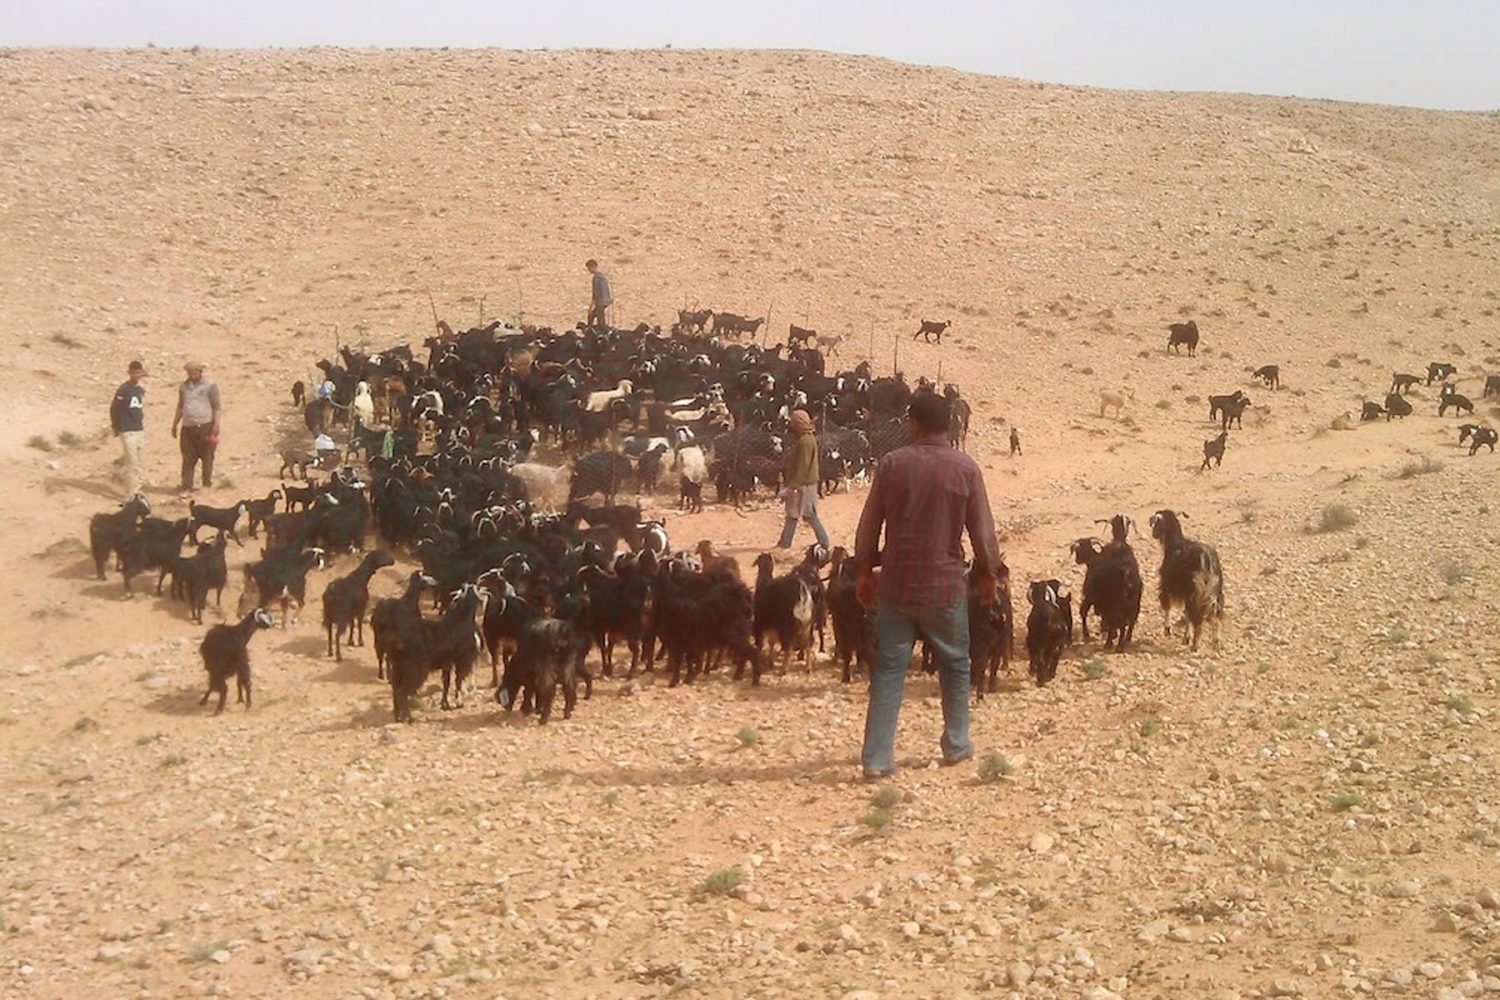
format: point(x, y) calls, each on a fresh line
point(1182, 514)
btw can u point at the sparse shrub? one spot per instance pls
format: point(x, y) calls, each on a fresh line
point(69, 440)
point(612, 797)
point(173, 760)
point(1344, 801)
point(1262, 667)
point(1425, 466)
point(1361, 542)
point(1333, 363)
point(1149, 726)
point(1461, 704)
point(749, 736)
point(39, 442)
point(85, 723)
point(722, 882)
point(64, 340)
point(1397, 634)
point(885, 797)
point(1454, 571)
point(994, 767)
point(1163, 404)
point(1094, 669)
point(204, 950)
point(876, 819)
point(1336, 517)
point(388, 802)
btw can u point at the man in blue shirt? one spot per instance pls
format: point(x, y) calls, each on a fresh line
point(599, 298)
point(127, 418)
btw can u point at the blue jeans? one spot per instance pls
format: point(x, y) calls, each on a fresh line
point(947, 632)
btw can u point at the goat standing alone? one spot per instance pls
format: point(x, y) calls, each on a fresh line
point(226, 653)
point(1046, 632)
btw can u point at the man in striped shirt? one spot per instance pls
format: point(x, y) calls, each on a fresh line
point(925, 496)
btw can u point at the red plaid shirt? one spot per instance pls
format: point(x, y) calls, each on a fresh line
point(925, 495)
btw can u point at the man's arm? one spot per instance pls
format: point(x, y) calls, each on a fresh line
point(177, 414)
point(213, 400)
point(116, 414)
point(867, 537)
point(981, 525)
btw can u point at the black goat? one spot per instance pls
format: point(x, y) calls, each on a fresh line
point(451, 643)
point(1213, 451)
point(701, 614)
point(784, 608)
point(1438, 371)
point(853, 626)
point(1402, 382)
point(1491, 386)
point(194, 576)
point(1485, 436)
point(797, 336)
point(395, 619)
point(1396, 406)
point(992, 631)
point(1371, 410)
point(1217, 403)
point(281, 577)
point(1450, 397)
point(1270, 375)
point(694, 321)
point(1183, 335)
point(109, 532)
point(221, 519)
point(157, 545)
point(299, 394)
point(617, 606)
point(345, 601)
point(1233, 412)
point(1046, 631)
point(258, 510)
point(549, 654)
point(601, 472)
point(931, 330)
point(1190, 576)
point(226, 653)
point(1112, 584)
point(301, 496)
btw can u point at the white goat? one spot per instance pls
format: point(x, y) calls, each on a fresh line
point(1118, 400)
point(690, 464)
point(599, 401)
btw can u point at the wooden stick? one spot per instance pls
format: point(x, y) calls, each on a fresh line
point(434, 312)
point(481, 311)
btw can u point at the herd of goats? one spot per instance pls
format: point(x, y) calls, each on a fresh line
point(536, 563)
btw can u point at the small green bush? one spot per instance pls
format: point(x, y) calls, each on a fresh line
point(1094, 669)
point(748, 736)
point(1461, 704)
point(885, 797)
point(876, 819)
point(994, 767)
point(1336, 517)
point(39, 442)
point(722, 882)
point(1344, 801)
point(1149, 726)
point(69, 440)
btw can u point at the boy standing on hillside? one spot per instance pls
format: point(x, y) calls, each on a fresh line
point(127, 418)
point(599, 298)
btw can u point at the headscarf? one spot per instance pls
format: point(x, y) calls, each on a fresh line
point(801, 423)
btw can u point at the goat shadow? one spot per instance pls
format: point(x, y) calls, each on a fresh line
point(311, 646)
point(184, 700)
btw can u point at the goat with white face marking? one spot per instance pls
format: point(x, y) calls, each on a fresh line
point(1190, 576)
point(226, 653)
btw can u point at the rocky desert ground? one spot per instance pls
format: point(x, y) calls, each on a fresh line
point(1307, 810)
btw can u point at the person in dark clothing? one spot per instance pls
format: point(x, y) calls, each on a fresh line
point(198, 417)
point(599, 297)
point(127, 418)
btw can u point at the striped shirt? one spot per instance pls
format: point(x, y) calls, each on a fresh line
point(925, 495)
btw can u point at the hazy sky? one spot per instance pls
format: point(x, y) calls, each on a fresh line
point(1428, 53)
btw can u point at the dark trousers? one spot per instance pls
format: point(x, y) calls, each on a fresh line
point(596, 315)
point(195, 448)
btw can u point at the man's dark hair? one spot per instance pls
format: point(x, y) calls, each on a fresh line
point(591, 263)
point(930, 412)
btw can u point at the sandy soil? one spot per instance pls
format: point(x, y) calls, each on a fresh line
point(1305, 811)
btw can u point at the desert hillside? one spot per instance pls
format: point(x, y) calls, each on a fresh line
point(1304, 810)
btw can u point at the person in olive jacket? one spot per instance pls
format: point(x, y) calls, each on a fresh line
point(799, 481)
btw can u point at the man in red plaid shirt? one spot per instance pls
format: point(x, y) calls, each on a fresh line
point(925, 496)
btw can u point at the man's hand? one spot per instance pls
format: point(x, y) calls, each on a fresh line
point(174, 430)
point(986, 587)
point(864, 588)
